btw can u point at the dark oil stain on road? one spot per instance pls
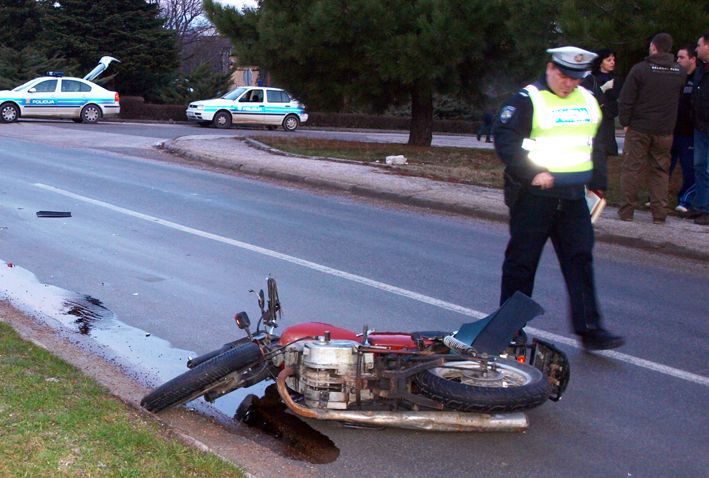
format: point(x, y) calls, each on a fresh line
point(269, 414)
point(87, 311)
point(296, 438)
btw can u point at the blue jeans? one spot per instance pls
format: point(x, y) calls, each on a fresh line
point(701, 170)
point(683, 153)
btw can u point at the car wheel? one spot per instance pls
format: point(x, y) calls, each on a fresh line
point(222, 120)
point(9, 112)
point(291, 123)
point(90, 114)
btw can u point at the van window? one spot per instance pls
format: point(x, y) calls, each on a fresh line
point(275, 96)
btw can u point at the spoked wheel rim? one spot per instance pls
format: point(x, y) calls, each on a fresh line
point(8, 113)
point(91, 114)
point(473, 374)
point(291, 123)
point(221, 120)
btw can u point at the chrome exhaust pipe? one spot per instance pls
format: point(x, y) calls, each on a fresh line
point(413, 420)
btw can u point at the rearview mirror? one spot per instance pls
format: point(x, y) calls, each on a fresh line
point(32, 90)
point(242, 321)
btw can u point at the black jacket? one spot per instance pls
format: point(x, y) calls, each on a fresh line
point(648, 100)
point(608, 101)
point(700, 98)
point(513, 125)
point(685, 115)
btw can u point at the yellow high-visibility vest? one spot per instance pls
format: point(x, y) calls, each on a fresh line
point(562, 132)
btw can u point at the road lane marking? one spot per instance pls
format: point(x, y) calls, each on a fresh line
point(656, 367)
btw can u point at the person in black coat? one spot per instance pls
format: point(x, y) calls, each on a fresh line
point(605, 86)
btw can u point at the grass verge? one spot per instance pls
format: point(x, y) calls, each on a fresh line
point(56, 422)
point(480, 167)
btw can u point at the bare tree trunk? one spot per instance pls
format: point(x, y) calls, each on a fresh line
point(421, 130)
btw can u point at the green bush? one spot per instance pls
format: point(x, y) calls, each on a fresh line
point(133, 107)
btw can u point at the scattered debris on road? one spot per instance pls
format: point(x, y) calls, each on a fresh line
point(53, 214)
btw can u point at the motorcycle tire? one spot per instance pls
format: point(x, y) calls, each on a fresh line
point(198, 380)
point(512, 387)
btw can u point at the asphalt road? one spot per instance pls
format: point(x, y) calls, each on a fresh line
point(171, 251)
point(181, 129)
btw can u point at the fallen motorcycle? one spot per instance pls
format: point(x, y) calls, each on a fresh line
point(481, 377)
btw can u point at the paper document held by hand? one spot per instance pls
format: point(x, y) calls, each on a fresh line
point(595, 204)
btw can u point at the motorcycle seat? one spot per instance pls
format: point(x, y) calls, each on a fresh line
point(428, 335)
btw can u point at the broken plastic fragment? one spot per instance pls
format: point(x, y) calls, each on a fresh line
point(53, 214)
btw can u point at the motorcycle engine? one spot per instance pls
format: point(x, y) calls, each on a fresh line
point(327, 372)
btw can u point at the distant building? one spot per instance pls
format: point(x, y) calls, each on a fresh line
point(217, 51)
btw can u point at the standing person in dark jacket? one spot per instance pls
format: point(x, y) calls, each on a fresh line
point(700, 103)
point(486, 126)
point(605, 87)
point(683, 141)
point(648, 111)
point(543, 135)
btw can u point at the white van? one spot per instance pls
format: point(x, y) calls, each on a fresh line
point(249, 105)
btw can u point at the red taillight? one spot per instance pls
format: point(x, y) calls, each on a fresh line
point(117, 98)
point(521, 359)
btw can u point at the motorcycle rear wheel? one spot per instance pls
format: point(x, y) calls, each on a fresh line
point(462, 386)
point(198, 380)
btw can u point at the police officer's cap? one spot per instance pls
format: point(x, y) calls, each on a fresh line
point(572, 61)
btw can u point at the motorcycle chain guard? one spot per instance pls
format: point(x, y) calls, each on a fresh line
point(492, 334)
point(553, 364)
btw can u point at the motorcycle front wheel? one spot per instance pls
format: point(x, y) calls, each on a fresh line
point(200, 379)
point(465, 386)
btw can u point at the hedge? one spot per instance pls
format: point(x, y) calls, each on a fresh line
point(133, 107)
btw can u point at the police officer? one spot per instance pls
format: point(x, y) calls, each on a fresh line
point(544, 135)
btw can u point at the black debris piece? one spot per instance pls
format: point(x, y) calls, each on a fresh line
point(53, 214)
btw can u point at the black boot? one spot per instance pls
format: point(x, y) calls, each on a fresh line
point(600, 339)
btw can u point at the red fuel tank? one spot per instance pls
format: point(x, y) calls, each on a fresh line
point(316, 329)
point(392, 340)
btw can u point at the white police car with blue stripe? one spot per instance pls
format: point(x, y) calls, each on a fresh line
point(59, 96)
point(249, 105)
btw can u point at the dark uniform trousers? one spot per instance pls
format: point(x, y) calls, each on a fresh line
point(533, 220)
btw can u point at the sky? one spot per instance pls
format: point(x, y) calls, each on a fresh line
point(239, 3)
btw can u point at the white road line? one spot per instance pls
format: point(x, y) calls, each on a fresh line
point(674, 372)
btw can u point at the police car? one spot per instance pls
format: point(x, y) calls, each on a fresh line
point(272, 107)
point(59, 96)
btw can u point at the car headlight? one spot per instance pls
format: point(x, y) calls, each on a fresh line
point(197, 107)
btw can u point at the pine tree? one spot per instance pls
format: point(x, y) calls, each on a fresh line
point(334, 53)
point(628, 27)
point(18, 66)
point(129, 30)
point(21, 22)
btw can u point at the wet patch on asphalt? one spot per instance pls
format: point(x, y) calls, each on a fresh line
point(87, 311)
point(150, 361)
